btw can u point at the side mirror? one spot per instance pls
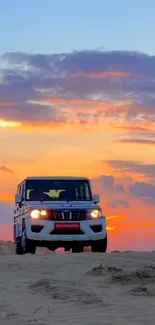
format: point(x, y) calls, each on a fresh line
point(96, 198)
point(18, 198)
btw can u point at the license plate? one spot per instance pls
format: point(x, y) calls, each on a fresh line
point(67, 225)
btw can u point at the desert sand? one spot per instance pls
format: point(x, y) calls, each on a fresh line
point(87, 289)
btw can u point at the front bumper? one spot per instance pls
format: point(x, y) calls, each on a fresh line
point(48, 226)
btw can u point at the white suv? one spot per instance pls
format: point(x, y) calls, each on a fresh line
point(58, 212)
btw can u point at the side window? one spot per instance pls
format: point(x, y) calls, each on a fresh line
point(17, 193)
point(23, 193)
point(22, 190)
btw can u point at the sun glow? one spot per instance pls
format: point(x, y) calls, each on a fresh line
point(114, 217)
point(6, 124)
point(111, 228)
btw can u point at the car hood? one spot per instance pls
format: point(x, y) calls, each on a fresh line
point(62, 205)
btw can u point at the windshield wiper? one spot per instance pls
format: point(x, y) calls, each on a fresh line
point(82, 198)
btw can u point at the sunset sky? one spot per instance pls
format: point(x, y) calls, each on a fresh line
point(77, 97)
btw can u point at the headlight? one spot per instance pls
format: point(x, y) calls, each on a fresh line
point(35, 214)
point(94, 214)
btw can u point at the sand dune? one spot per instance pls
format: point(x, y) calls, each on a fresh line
point(86, 288)
point(7, 247)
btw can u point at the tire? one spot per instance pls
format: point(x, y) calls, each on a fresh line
point(77, 248)
point(28, 245)
point(93, 249)
point(100, 245)
point(18, 248)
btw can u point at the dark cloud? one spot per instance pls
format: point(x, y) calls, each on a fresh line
point(141, 189)
point(113, 205)
point(125, 204)
point(137, 141)
point(107, 181)
point(119, 188)
point(125, 61)
point(133, 128)
point(126, 83)
point(132, 167)
point(122, 188)
point(5, 169)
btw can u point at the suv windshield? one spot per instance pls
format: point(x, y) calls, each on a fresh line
point(57, 190)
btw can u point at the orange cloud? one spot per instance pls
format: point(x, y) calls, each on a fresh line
point(69, 112)
point(84, 103)
point(137, 127)
point(106, 74)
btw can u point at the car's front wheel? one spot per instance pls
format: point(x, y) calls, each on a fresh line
point(100, 245)
point(28, 245)
point(25, 245)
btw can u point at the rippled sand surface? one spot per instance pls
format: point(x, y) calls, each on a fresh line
point(65, 288)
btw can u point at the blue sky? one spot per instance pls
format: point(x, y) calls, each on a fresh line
point(54, 26)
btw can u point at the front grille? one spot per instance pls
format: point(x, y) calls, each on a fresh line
point(74, 215)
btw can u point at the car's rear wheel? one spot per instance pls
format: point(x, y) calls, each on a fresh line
point(18, 247)
point(100, 245)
